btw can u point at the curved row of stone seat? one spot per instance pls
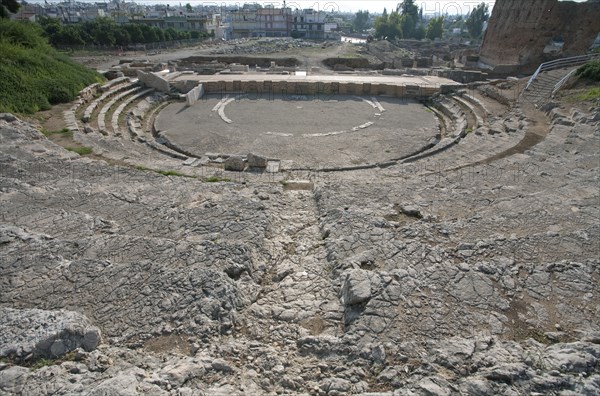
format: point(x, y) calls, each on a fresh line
point(107, 106)
point(454, 112)
point(127, 151)
point(114, 147)
point(477, 147)
point(485, 141)
point(466, 104)
point(137, 114)
point(458, 114)
point(124, 83)
point(454, 125)
point(134, 124)
point(126, 102)
point(136, 152)
point(455, 122)
point(112, 84)
point(478, 104)
point(85, 95)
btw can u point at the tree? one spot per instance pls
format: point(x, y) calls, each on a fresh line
point(122, 37)
point(361, 21)
point(408, 7)
point(395, 26)
point(476, 18)
point(388, 26)
point(420, 32)
point(70, 35)
point(135, 32)
point(101, 31)
point(7, 7)
point(52, 28)
point(435, 28)
point(408, 25)
point(409, 13)
point(188, 8)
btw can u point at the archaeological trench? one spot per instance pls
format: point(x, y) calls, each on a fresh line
point(327, 234)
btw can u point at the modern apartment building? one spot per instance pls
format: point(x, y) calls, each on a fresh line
point(260, 22)
point(309, 24)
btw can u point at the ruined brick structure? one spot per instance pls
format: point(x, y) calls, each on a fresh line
point(519, 31)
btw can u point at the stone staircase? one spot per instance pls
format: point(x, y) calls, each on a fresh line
point(550, 76)
point(541, 89)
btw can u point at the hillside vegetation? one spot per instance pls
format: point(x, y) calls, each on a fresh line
point(590, 70)
point(34, 75)
point(106, 32)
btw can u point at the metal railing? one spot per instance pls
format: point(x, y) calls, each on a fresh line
point(560, 63)
point(562, 82)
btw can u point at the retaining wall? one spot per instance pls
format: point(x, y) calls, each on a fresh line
point(193, 96)
point(322, 88)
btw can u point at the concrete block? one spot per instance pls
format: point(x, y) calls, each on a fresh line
point(194, 95)
point(153, 80)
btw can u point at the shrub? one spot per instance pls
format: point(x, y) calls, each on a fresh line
point(34, 75)
point(590, 70)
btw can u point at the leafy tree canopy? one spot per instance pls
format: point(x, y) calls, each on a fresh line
point(7, 7)
point(435, 28)
point(361, 21)
point(476, 18)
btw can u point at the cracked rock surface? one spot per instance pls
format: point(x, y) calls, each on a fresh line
point(438, 277)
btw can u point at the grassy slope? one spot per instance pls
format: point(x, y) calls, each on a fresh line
point(33, 75)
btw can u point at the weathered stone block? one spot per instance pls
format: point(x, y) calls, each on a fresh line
point(256, 161)
point(234, 163)
point(356, 287)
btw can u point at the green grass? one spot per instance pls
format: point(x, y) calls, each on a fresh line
point(584, 95)
point(42, 363)
point(590, 94)
point(64, 132)
point(80, 150)
point(34, 75)
point(164, 172)
point(172, 173)
point(216, 179)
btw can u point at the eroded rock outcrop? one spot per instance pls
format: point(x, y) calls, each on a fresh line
point(28, 334)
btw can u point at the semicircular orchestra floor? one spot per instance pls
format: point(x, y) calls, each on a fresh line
point(302, 131)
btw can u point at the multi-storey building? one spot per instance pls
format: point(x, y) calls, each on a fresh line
point(260, 22)
point(309, 24)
